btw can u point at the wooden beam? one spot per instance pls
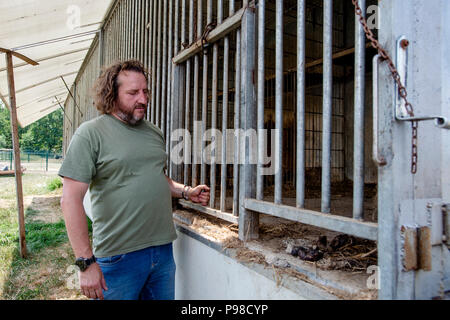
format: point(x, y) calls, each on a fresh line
point(227, 26)
point(16, 148)
point(20, 56)
point(22, 64)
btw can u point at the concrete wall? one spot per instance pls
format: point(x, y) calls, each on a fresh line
point(204, 271)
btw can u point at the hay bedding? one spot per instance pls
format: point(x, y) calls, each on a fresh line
point(337, 251)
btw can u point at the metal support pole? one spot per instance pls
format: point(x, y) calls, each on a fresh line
point(260, 118)
point(187, 93)
point(223, 175)
point(301, 61)
point(237, 105)
point(358, 134)
point(212, 198)
point(279, 101)
point(153, 104)
point(169, 86)
point(187, 142)
point(205, 98)
point(327, 103)
point(158, 70)
point(196, 98)
point(164, 72)
point(149, 57)
point(248, 220)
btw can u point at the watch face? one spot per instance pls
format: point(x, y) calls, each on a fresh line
point(81, 263)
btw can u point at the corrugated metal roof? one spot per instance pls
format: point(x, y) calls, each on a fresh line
point(57, 35)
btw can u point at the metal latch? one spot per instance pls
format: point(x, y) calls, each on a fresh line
point(416, 248)
point(401, 113)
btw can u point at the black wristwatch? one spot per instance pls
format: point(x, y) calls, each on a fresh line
point(84, 263)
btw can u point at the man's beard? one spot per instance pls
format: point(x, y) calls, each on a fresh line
point(128, 116)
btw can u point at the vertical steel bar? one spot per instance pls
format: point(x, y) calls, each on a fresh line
point(140, 31)
point(237, 104)
point(186, 149)
point(223, 175)
point(150, 58)
point(260, 98)
point(134, 30)
point(125, 30)
point(146, 33)
point(164, 72)
point(188, 138)
point(101, 45)
point(125, 34)
point(153, 106)
point(278, 101)
point(196, 97)
point(129, 29)
point(174, 119)
point(205, 97)
point(358, 134)
point(214, 115)
point(169, 85)
point(327, 103)
point(248, 220)
point(301, 54)
point(120, 32)
point(158, 70)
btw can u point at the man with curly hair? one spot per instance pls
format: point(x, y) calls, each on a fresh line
point(121, 158)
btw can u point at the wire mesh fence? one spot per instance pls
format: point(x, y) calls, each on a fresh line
point(32, 161)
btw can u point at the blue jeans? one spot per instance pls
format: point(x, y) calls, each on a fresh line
point(147, 274)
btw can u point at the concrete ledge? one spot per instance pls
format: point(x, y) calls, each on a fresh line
point(294, 287)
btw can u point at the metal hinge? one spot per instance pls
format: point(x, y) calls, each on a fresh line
point(424, 224)
point(446, 224)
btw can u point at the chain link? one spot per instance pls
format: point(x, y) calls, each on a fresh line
point(401, 89)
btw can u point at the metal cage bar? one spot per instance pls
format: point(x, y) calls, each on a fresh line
point(327, 104)
point(358, 145)
point(301, 62)
point(260, 97)
point(278, 101)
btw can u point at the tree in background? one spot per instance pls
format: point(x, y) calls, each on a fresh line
point(45, 134)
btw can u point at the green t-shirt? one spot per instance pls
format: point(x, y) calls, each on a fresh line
point(130, 196)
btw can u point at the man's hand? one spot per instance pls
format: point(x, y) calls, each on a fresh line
point(199, 194)
point(92, 282)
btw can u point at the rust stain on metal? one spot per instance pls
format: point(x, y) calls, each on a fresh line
point(424, 248)
point(404, 43)
point(409, 248)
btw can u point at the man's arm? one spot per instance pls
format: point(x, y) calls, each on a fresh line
point(91, 280)
point(198, 194)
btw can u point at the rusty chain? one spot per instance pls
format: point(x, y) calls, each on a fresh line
point(401, 89)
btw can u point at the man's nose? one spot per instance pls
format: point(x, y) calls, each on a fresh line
point(143, 98)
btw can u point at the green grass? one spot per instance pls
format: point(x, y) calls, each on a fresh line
point(28, 278)
point(54, 184)
point(41, 235)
